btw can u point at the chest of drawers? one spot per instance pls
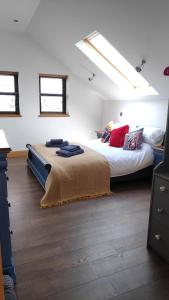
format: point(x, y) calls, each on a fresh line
point(158, 234)
point(5, 231)
point(158, 228)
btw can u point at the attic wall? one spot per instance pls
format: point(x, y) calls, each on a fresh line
point(144, 113)
point(18, 53)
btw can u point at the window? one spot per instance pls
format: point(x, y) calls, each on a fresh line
point(9, 95)
point(52, 94)
point(114, 65)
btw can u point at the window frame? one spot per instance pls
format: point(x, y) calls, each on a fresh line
point(63, 95)
point(15, 93)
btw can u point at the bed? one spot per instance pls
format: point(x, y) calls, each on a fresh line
point(120, 165)
point(121, 162)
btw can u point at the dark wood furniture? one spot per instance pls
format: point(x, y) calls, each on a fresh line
point(5, 232)
point(158, 229)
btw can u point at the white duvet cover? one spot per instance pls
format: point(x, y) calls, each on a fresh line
point(123, 162)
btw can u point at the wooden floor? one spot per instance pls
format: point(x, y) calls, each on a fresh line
point(88, 250)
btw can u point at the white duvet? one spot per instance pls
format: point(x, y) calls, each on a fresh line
point(123, 162)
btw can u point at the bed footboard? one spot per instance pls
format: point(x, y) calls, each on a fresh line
point(38, 165)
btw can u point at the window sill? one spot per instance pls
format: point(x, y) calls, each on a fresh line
point(54, 115)
point(10, 115)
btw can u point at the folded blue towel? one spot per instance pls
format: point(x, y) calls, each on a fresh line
point(49, 144)
point(71, 148)
point(65, 143)
point(66, 153)
point(56, 141)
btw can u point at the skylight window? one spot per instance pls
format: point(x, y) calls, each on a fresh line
point(114, 65)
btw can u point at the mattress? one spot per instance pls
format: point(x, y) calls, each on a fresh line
point(123, 162)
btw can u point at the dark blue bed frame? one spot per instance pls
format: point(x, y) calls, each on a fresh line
point(39, 166)
point(41, 169)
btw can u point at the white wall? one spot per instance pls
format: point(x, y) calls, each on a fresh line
point(147, 112)
point(19, 53)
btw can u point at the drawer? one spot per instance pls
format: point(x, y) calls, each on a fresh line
point(161, 213)
point(161, 191)
point(4, 216)
point(3, 187)
point(160, 201)
point(159, 239)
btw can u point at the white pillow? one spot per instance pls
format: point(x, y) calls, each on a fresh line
point(153, 135)
point(131, 126)
point(118, 124)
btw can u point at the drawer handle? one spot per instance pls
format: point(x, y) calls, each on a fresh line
point(160, 210)
point(157, 237)
point(162, 189)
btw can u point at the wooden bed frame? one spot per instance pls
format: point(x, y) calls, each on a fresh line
point(41, 168)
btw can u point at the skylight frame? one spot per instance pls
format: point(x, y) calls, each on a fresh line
point(119, 70)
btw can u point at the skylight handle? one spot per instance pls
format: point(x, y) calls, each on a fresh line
point(140, 67)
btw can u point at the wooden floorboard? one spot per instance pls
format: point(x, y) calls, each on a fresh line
point(87, 250)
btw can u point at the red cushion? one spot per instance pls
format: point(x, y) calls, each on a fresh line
point(117, 136)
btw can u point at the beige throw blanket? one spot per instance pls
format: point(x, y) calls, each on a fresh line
point(77, 177)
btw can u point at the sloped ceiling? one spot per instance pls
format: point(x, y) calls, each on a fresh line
point(137, 29)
